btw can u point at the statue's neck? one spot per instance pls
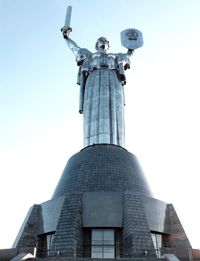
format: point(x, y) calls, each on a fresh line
point(102, 50)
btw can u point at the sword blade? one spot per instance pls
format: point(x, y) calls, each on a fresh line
point(68, 16)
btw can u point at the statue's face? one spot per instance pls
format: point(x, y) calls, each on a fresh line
point(102, 44)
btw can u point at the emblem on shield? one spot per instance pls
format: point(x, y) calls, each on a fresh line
point(131, 38)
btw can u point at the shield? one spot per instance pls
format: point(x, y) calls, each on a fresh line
point(131, 38)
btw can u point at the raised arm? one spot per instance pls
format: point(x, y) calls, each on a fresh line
point(124, 58)
point(72, 46)
point(70, 43)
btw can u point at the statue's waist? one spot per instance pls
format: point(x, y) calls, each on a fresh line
point(98, 65)
point(102, 66)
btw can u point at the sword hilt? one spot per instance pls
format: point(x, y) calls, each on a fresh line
point(66, 30)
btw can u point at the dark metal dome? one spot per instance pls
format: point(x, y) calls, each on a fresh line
point(102, 167)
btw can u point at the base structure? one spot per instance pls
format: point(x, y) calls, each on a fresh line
point(102, 207)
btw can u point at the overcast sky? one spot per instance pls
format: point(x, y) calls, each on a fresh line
point(40, 125)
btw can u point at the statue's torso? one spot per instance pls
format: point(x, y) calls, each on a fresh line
point(103, 60)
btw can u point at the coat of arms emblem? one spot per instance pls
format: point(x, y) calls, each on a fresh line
point(131, 38)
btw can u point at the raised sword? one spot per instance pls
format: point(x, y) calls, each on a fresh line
point(66, 29)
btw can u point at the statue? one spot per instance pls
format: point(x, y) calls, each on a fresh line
point(101, 78)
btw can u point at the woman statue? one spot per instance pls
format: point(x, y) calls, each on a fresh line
point(101, 78)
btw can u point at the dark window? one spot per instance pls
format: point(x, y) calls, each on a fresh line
point(102, 242)
point(44, 244)
point(157, 241)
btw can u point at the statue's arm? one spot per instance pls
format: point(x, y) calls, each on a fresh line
point(70, 43)
point(72, 46)
point(130, 52)
point(125, 58)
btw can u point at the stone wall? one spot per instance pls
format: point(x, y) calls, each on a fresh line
point(137, 237)
point(177, 240)
point(68, 235)
point(27, 236)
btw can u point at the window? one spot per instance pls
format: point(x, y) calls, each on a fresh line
point(103, 243)
point(157, 241)
point(49, 239)
point(44, 244)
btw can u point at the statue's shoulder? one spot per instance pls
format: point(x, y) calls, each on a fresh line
point(84, 51)
point(113, 55)
point(96, 54)
point(82, 55)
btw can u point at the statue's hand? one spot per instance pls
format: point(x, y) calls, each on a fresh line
point(127, 66)
point(66, 31)
point(130, 52)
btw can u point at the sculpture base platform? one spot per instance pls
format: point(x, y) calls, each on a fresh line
point(103, 193)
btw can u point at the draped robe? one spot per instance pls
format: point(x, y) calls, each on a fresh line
point(102, 95)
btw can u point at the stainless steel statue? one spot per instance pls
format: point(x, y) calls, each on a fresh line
point(101, 78)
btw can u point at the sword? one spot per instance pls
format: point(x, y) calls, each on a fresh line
point(66, 29)
point(68, 16)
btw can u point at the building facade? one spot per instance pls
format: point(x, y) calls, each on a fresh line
point(102, 207)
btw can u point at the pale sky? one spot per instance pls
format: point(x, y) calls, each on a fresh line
point(40, 125)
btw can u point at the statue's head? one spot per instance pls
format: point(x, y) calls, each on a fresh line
point(102, 44)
